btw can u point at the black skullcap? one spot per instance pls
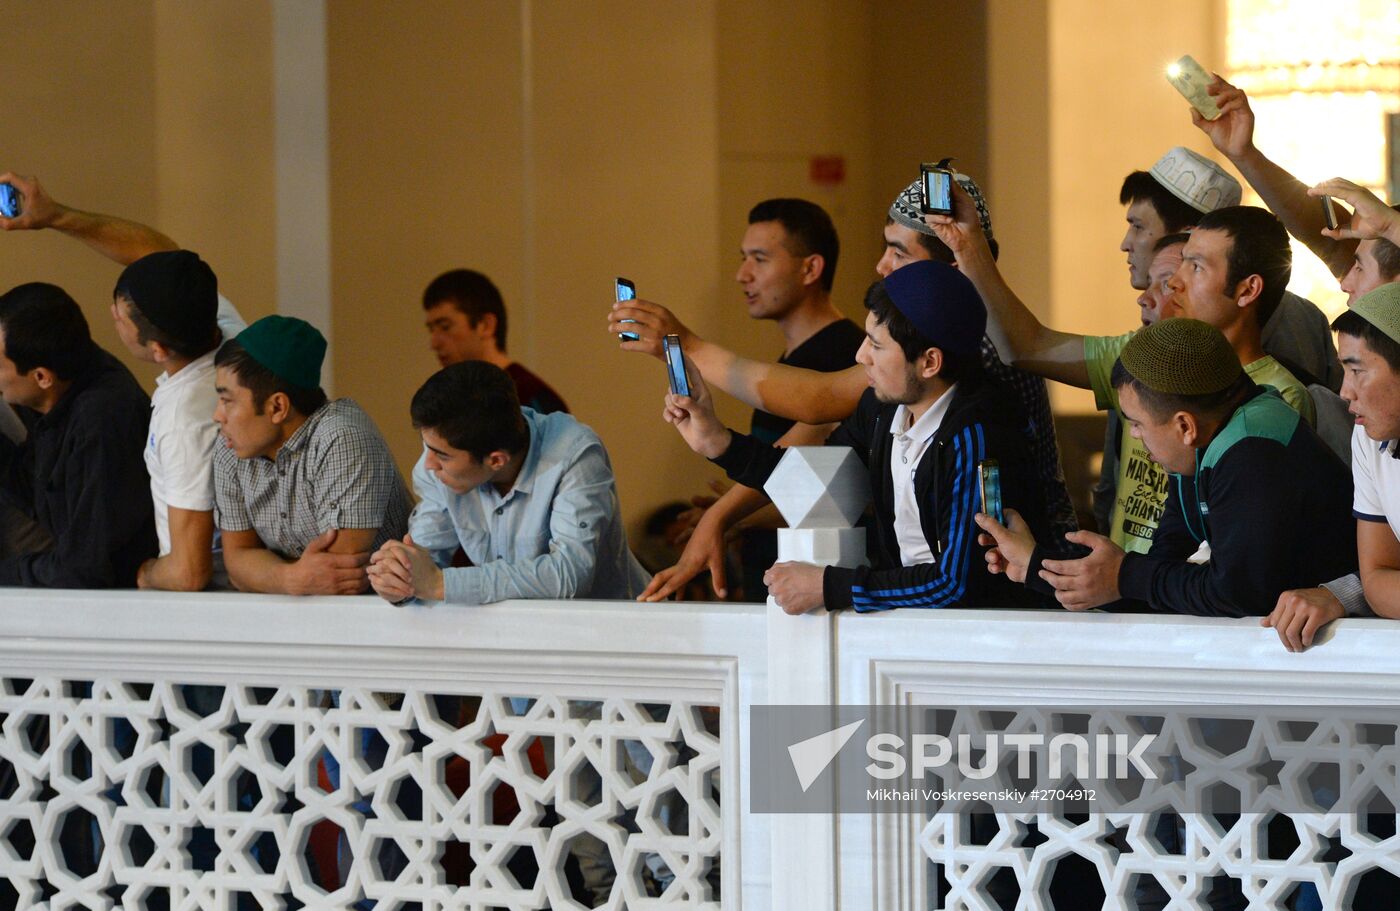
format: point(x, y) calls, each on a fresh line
point(177, 292)
point(1182, 357)
point(942, 304)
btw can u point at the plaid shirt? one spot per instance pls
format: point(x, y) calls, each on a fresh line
point(1045, 452)
point(334, 472)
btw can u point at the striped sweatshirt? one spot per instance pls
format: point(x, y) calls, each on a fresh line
point(983, 422)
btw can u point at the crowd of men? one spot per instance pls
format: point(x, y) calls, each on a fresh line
point(1225, 490)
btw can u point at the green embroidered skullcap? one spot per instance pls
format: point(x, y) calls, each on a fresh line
point(1182, 357)
point(291, 348)
point(1381, 308)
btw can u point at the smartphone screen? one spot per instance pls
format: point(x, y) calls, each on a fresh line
point(938, 192)
point(675, 365)
point(989, 480)
point(624, 290)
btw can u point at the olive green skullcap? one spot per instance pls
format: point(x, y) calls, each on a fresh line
point(1182, 357)
point(1381, 308)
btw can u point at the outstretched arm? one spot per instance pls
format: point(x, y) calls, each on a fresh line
point(809, 396)
point(118, 239)
point(1021, 339)
point(1285, 195)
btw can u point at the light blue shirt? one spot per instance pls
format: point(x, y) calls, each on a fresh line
point(556, 534)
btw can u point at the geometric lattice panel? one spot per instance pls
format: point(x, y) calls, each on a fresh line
point(1188, 845)
point(161, 795)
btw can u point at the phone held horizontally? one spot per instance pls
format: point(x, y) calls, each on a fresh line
point(675, 365)
point(989, 484)
point(626, 291)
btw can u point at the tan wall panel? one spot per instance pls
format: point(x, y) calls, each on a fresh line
point(1113, 113)
point(794, 82)
point(426, 176)
point(625, 182)
point(215, 180)
point(78, 98)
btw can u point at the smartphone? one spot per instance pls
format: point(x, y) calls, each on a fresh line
point(675, 365)
point(1190, 79)
point(989, 483)
point(9, 201)
point(938, 188)
point(626, 291)
point(1329, 212)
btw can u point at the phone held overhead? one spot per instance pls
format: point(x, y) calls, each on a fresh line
point(938, 187)
point(1190, 79)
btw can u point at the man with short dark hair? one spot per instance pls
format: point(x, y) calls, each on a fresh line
point(305, 488)
point(1235, 265)
point(168, 311)
point(1172, 197)
point(1244, 469)
point(466, 319)
point(529, 497)
point(926, 422)
point(79, 472)
point(1368, 334)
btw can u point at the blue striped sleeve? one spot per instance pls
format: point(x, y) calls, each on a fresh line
point(913, 586)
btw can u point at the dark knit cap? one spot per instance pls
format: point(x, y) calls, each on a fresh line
point(177, 292)
point(1182, 357)
point(941, 303)
point(291, 348)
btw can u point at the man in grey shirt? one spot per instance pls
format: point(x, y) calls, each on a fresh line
point(530, 498)
point(305, 489)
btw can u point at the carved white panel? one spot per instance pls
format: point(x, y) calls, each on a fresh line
point(161, 769)
point(819, 487)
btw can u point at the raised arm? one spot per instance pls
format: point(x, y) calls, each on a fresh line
point(1232, 133)
point(809, 396)
point(1021, 339)
point(118, 239)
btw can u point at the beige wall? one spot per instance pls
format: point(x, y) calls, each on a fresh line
point(88, 129)
point(555, 144)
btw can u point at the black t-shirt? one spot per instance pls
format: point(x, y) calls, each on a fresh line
point(831, 349)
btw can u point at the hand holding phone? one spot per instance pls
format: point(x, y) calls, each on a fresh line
point(675, 365)
point(624, 290)
point(937, 184)
point(1329, 212)
point(989, 484)
point(9, 201)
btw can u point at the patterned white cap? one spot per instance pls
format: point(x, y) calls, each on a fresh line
point(1196, 180)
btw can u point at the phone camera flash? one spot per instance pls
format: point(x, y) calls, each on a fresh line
point(1173, 70)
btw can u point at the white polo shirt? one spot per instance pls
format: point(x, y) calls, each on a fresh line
point(180, 443)
point(1375, 474)
point(907, 448)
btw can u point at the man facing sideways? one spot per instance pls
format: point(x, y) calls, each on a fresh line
point(1368, 334)
point(466, 319)
point(305, 488)
point(814, 398)
point(79, 472)
point(166, 310)
point(530, 498)
point(1244, 468)
point(922, 429)
point(1234, 269)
